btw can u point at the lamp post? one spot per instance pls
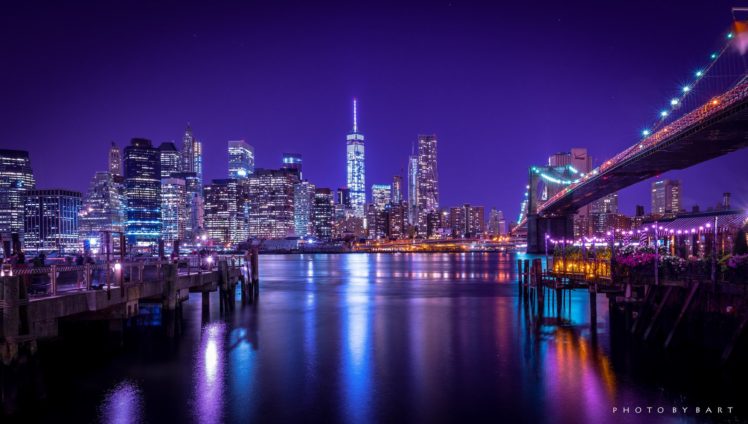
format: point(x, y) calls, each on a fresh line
point(546, 250)
point(657, 254)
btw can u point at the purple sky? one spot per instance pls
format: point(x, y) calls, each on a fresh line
point(501, 86)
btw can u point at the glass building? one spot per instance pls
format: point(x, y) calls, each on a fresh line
point(225, 212)
point(356, 171)
point(381, 195)
point(173, 209)
point(115, 160)
point(170, 159)
point(293, 162)
point(413, 190)
point(51, 220)
point(271, 203)
point(142, 167)
point(323, 213)
point(303, 199)
point(241, 159)
point(16, 177)
point(192, 157)
point(104, 206)
point(666, 197)
point(427, 180)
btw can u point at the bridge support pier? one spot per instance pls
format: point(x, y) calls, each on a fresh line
point(14, 321)
point(557, 227)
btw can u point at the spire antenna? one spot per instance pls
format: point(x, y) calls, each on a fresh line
point(355, 117)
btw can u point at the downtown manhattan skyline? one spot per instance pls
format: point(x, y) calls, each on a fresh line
point(499, 95)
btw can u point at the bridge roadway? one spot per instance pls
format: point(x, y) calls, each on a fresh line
point(103, 292)
point(714, 129)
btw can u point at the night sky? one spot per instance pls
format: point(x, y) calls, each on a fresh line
point(502, 86)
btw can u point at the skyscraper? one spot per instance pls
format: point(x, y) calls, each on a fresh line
point(322, 213)
point(413, 189)
point(496, 223)
point(293, 162)
point(173, 209)
point(225, 221)
point(103, 206)
point(241, 159)
point(115, 160)
point(381, 195)
point(143, 189)
point(427, 180)
point(170, 159)
point(271, 203)
point(51, 220)
point(303, 201)
point(666, 197)
point(355, 167)
point(16, 177)
point(397, 189)
point(192, 157)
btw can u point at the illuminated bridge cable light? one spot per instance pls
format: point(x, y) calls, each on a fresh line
point(686, 89)
point(674, 102)
point(646, 133)
point(699, 74)
point(663, 113)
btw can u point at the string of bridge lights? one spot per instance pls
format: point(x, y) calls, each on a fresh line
point(675, 102)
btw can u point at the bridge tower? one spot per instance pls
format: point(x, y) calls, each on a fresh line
point(545, 181)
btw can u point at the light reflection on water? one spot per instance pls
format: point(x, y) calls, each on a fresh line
point(123, 404)
point(392, 338)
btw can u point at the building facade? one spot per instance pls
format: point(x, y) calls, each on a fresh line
point(666, 195)
point(496, 223)
point(142, 167)
point(192, 157)
point(173, 209)
point(104, 206)
point(241, 159)
point(427, 180)
point(303, 201)
point(115, 160)
point(271, 203)
point(16, 177)
point(323, 213)
point(170, 159)
point(51, 220)
point(355, 167)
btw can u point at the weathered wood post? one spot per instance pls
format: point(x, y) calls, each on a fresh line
point(170, 297)
point(255, 265)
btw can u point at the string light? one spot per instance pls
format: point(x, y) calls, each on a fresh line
point(674, 102)
point(645, 133)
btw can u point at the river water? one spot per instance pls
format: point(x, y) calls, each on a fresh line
point(356, 338)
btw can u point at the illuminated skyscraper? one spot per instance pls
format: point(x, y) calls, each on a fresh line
point(170, 160)
point(413, 190)
point(427, 180)
point(271, 203)
point(355, 167)
point(322, 213)
point(16, 177)
point(293, 162)
point(51, 220)
point(143, 189)
point(303, 201)
point(225, 221)
point(666, 197)
point(104, 206)
point(173, 209)
point(241, 159)
point(381, 195)
point(496, 223)
point(192, 156)
point(397, 189)
point(115, 160)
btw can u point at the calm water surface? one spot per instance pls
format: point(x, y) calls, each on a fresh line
point(356, 338)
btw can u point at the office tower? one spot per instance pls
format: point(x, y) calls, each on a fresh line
point(51, 220)
point(666, 197)
point(104, 206)
point(174, 212)
point(396, 213)
point(355, 167)
point(271, 203)
point(194, 204)
point(397, 189)
point(241, 159)
point(603, 213)
point(143, 189)
point(427, 180)
point(16, 177)
point(343, 197)
point(322, 213)
point(192, 157)
point(170, 159)
point(413, 190)
point(115, 160)
point(303, 199)
point(467, 221)
point(381, 195)
point(377, 221)
point(292, 161)
point(496, 223)
point(225, 221)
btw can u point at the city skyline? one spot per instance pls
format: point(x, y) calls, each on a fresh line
point(299, 118)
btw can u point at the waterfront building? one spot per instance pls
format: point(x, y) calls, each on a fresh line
point(225, 221)
point(356, 171)
point(174, 212)
point(396, 213)
point(413, 190)
point(241, 159)
point(303, 199)
point(192, 157)
point(104, 206)
point(142, 166)
point(322, 213)
point(377, 221)
point(666, 195)
point(381, 195)
point(467, 221)
point(604, 214)
point(496, 223)
point(16, 177)
point(115, 160)
point(271, 203)
point(397, 189)
point(427, 180)
point(292, 161)
point(170, 159)
point(51, 220)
